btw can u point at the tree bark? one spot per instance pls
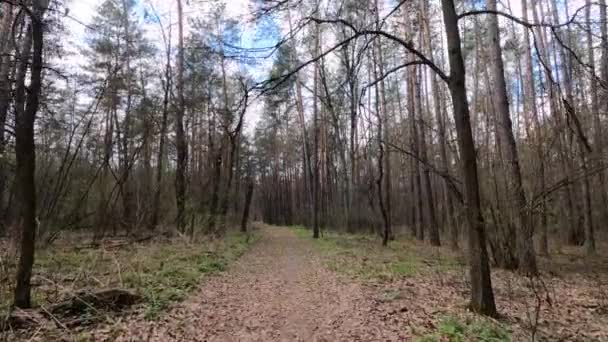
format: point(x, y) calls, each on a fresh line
point(26, 151)
point(589, 229)
point(248, 197)
point(525, 247)
point(384, 163)
point(182, 148)
point(381, 176)
point(482, 296)
point(567, 192)
point(315, 167)
point(445, 165)
point(530, 107)
point(160, 157)
point(351, 186)
point(432, 218)
point(415, 107)
point(216, 167)
point(125, 185)
point(604, 57)
point(597, 125)
point(578, 219)
point(5, 98)
point(307, 168)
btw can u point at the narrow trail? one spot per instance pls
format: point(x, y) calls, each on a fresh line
point(278, 291)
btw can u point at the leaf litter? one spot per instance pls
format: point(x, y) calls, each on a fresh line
point(285, 289)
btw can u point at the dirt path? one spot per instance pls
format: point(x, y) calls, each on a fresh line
point(278, 291)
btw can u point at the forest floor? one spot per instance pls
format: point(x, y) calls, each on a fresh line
point(289, 287)
point(150, 275)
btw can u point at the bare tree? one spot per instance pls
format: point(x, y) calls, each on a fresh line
point(5, 96)
point(525, 248)
point(182, 147)
point(160, 157)
point(26, 107)
point(482, 296)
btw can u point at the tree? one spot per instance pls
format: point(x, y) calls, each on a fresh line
point(590, 234)
point(482, 296)
point(116, 48)
point(182, 148)
point(26, 107)
point(437, 99)
point(315, 153)
point(530, 108)
point(160, 159)
point(5, 98)
point(525, 248)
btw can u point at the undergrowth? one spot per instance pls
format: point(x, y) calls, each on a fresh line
point(161, 272)
point(477, 329)
point(363, 256)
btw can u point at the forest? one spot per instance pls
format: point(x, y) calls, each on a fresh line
point(299, 170)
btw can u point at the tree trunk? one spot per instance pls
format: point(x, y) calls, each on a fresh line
point(578, 219)
point(597, 125)
point(5, 98)
point(215, 180)
point(414, 107)
point(432, 218)
point(26, 152)
point(147, 184)
point(445, 165)
point(160, 158)
point(226, 121)
point(589, 233)
point(604, 59)
point(384, 164)
point(230, 175)
point(248, 197)
point(603, 105)
point(482, 296)
point(381, 156)
point(125, 172)
point(567, 192)
point(414, 100)
point(530, 107)
point(182, 148)
point(351, 187)
point(307, 168)
point(315, 167)
point(525, 247)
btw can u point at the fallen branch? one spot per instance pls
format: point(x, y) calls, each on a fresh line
point(115, 244)
point(106, 300)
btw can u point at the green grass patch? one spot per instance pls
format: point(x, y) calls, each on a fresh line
point(178, 270)
point(162, 272)
point(477, 329)
point(301, 231)
point(363, 256)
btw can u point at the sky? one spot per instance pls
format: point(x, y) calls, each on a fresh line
point(82, 12)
